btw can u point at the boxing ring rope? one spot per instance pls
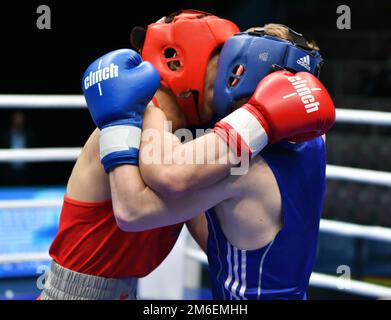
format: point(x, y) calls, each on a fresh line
point(381, 178)
point(24, 257)
point(366, 117)
point(355, 230)
point(36, 101)
point(31, 203)
point(39, 154)
point(327, 226)
point(369, 117)
point(374, 177)
point(41, 101)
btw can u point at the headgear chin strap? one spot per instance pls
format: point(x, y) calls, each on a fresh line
point(180, 47)
point(248, 57)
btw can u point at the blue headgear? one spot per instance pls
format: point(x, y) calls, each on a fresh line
point(248, 57)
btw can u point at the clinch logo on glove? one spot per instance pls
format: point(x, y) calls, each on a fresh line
point(100, 75)
point(305, 93)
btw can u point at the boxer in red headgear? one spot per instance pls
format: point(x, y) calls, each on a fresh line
point(180, 47)
point(92, 257)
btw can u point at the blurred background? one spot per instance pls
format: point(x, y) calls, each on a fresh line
point(357, 72)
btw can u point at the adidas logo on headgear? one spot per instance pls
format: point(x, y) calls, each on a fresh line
point(305, 62)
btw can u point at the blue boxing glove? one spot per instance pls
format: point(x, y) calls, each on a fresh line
point(117, 87)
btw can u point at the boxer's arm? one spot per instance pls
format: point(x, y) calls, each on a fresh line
point(267, 118)
point(177, 168)
point(137, 207)
point(198, 228)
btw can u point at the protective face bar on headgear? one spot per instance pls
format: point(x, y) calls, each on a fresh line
point(248, 57)
point(180, 47)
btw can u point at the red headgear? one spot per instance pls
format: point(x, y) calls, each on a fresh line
point(185, 41)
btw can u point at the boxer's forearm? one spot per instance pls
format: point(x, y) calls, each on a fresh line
point(188, 167)
point(127, 193)
point(176, 169)
point(137, 207)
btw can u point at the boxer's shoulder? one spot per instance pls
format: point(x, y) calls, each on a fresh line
point(88, 181)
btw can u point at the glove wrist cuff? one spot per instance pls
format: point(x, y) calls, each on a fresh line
point(117, 139)
point(248, 128)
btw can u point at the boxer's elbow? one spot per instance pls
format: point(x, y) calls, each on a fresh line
point(129, 216)
point(129, 222)
point(172, 182)
point(125, 219)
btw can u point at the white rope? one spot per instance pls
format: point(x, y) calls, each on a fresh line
point(24, 257)
point(378, 118)
point(355, 230)
point(327, 226)
point(41, 101)
point(323, 280)
point(35, 101)
point(31, 203)
point(381, 178)
point(39, 154)
point(70, 154)
point(349, 286)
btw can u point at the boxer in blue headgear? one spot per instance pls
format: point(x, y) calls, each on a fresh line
point(249, 56)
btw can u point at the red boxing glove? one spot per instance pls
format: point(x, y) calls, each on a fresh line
point(295, 107)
